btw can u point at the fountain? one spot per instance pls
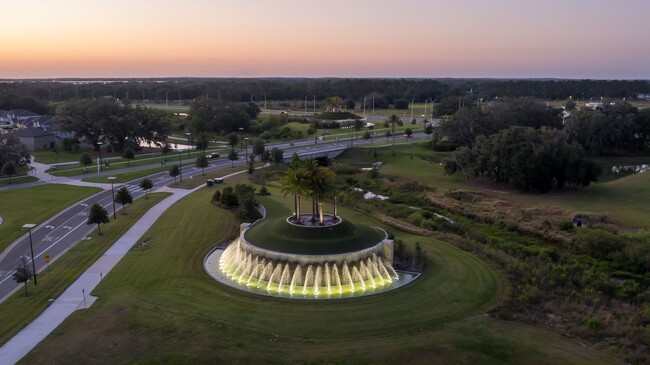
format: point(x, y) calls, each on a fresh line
point(314, 261)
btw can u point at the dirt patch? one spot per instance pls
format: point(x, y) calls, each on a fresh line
point(540, 221)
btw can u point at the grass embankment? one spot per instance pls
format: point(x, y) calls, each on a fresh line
point(18, 311)
point(158, 305)
point(35, 205)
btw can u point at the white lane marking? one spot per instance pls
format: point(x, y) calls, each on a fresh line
point(49, 247)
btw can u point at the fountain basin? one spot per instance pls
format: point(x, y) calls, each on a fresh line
point(288, 260)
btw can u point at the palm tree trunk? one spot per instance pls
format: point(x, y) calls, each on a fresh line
point(298, 210)
point(320, 212)
point(313, 208)
point(295, 207)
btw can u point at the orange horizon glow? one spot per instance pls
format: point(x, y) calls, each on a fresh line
point(505, 38)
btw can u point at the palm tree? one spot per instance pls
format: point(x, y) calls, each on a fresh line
point(392, 120)
point(310, 168)
point(294, 182)
point(322, 185)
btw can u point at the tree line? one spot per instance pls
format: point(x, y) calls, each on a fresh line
point(382, 91)
point(535, 147)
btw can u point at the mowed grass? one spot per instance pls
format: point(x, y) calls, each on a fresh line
point(411, 161)
point(35, 205)
point(17, 311)
point(21, 179)
point(624, 200)
point(159, 306)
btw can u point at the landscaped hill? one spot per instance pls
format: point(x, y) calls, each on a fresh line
point(276, 234)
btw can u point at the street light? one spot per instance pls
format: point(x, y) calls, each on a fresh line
point(306, 104)
point(425, 106)
point(29, 226)
point(412, 107)
point(180, 165)
point(111, 178)
point(241, 140)
point(246, 148)
point(188, 134)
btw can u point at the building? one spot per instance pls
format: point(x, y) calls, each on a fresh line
point(36, 138)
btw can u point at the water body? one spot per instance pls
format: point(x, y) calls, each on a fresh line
point(614, 172)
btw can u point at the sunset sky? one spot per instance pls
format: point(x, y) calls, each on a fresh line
point(354, 38)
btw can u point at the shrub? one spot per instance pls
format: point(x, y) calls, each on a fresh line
point(566, 226)
point(264, 191)
point(595, 323)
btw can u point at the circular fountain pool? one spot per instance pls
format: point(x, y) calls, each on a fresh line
point(277, 258)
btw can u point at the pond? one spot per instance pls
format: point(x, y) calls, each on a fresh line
point(613, 172)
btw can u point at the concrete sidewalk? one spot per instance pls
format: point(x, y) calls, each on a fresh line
point(73, 298)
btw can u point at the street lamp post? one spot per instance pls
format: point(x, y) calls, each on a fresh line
point(188, 134)
point(306, 104)
point(246, 148)
point(412, 107)
point(180, 165)
point(29, 226)
point(364, 106)
point(111, 178)
point(241, 140)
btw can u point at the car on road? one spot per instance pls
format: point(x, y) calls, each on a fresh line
point(213, 155)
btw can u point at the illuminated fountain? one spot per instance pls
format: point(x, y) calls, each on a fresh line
point(314, 256)
point(277, 258)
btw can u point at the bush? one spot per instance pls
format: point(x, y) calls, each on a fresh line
point(566, 226)
point(264, 191)
point(595, 323)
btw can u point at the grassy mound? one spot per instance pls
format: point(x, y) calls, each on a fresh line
point(276, 234)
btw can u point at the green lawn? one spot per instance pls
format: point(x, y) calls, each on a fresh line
point(35, 205)
point(50, 157)
point(18, 310)
point(4, 181)
point(410, 160)
point(159, 306)
point(275, 234)
point(624, 200)
point(122, 177)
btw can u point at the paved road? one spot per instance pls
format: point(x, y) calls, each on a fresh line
point(63, 231)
